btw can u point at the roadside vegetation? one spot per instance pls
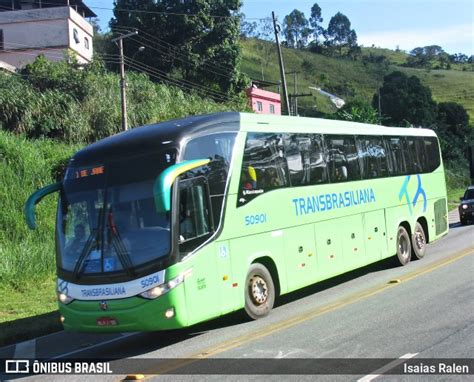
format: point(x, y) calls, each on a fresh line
point(60, 101)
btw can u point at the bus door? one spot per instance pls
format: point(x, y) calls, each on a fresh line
point(300, 256)
point(375, 235)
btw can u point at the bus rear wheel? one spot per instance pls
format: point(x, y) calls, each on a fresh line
point(259, 292)
point(403, 246)
point(419, 241)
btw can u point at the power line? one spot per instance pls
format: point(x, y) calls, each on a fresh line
point(163, 13)
point(163, 75)
point(141, 67)
point(172, 56)
point(166, 45)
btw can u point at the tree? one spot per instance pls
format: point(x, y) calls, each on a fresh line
point(315, 21)
point(358, 111)
point(405, 101)
point(295, 29)
point(339, 33)
point(418, 58)
point(263, 44)
point(452, 126)
point(249, 29)
point(433, 51)
point(185, 39)
point(443, 61)
point(423, 57)
point(458, 58)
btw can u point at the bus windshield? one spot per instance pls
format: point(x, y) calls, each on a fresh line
point(107, 220)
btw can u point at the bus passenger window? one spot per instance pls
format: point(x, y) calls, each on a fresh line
point(373, 157)
point(411, 157)
point(397, 159)
point(342, 158)
point(421, 153)
point(264, 167)
point(304, 155)
point(432, 153)
point(318, 164)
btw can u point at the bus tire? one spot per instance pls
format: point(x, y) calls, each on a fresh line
point(403, 246)
point(418, 240)
point(259, 292)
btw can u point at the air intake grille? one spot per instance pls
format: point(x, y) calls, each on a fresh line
point(441, 216)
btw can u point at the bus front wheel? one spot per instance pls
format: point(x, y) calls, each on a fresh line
point(419, 241)
point(403, 246)
point(259, 292)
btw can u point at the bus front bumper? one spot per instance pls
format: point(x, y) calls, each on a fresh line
point(126, 315)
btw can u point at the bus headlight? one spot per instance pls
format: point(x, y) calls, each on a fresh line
point(64, 298)
point(464, 206)
point(163, 288)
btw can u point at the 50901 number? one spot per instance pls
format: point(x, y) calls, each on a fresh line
point(255, 219)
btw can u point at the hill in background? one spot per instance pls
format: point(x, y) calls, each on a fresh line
point(350, 79)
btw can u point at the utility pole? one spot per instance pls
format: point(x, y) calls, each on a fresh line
point(276, 28)
point(380, 108)
point(123, 84)
point(294, 100)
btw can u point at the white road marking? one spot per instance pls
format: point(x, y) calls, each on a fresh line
point(121, 337)
point(387, 367)
point(25, 350)
point(281, 354)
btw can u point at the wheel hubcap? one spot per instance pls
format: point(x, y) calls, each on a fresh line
point(419, 240)
point(403, 246)
point(259, 290)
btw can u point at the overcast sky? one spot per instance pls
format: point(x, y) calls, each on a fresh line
point(383, 23)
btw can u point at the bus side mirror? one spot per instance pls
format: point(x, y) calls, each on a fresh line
point(34, 199)
point(163, 183)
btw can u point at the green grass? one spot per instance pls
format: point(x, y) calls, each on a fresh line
point(448, 86)
point(457, 180)
point(397, 58)
point(27, 261)
point(28, 313)
point(37, 298)
point(350, 79)
point(26, 256)
point(347, 79)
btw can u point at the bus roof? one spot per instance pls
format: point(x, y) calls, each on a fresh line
point(156, 136)
point(281, 124)
point(169, 134)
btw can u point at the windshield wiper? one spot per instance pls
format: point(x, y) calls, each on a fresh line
point(119, 246)
point(91, 240)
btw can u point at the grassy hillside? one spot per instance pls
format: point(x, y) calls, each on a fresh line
point(27, 261)
point(448, 85)
point(349, 79)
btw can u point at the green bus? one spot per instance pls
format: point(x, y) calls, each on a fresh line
point(167, 225)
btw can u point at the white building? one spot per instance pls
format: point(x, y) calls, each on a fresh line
point(29, 28)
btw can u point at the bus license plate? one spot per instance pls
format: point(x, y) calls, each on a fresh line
point(106, 321)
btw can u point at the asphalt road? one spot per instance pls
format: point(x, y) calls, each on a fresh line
point(423, 310)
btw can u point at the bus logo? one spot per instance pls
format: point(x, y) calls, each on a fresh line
point(103, 305)
point(419, 191)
